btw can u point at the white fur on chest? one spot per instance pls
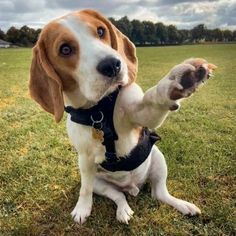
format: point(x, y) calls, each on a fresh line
point(85, 144)
point(128, 136)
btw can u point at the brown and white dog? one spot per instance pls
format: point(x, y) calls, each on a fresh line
point(65, 72)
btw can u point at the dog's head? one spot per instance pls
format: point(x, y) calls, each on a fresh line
point(80, 56)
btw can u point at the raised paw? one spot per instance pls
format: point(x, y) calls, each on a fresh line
point(188, 76)
point(124, 213)
point(81, 213)
point(187, 208)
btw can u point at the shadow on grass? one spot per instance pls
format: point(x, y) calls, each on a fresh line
point(56, 218)
point(151, 218)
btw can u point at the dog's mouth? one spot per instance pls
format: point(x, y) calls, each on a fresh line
point(120, 80)
point(110, 84)
point(110, 88)
point(103, 89)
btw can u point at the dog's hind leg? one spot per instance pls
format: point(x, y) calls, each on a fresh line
point(158, 176)
point(103, 188)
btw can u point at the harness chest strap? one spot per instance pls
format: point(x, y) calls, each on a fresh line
point(100, 117)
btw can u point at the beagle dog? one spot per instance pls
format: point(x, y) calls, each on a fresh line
point(82, 63)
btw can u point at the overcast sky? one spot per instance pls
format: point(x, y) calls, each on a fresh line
point(182, 13)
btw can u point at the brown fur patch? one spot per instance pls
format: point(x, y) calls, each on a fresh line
point(64, 66)
point(45, 85)
point(211, 66)
point(51, 73)
point(197, 62)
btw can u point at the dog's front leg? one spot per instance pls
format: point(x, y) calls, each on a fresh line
point(84, 205)
point(166, 96)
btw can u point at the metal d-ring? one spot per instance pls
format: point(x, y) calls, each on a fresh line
point(97, 121)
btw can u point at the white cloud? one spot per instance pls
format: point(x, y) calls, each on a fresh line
point(182, 13)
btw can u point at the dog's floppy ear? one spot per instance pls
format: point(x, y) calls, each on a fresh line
point(126, 48)
point(45, 85)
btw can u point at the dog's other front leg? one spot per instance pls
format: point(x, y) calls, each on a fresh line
point(151, 109)
point(84, 205)
point(158, 176)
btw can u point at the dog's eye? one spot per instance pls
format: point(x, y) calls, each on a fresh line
point(100, 32)
point(65, 49)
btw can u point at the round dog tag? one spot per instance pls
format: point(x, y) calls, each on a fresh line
point(98, 134)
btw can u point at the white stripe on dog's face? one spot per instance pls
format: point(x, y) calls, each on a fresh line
point(92, 50)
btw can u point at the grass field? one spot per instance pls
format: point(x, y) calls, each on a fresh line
point(39, 181)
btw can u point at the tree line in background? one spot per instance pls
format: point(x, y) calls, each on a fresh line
point(25, 36)
point(140, 32)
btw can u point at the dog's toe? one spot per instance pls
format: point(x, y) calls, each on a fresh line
point(124, 213)
point(188, 208)
point(80, 214)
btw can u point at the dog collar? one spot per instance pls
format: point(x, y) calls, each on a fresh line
point(100, 117)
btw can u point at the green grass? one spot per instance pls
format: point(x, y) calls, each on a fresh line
point(39, 181)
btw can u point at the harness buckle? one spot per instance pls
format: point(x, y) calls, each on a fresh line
point(97, 122)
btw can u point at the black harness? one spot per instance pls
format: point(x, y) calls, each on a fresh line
point(100, 117)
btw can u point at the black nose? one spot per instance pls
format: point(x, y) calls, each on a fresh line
point(109, 67)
